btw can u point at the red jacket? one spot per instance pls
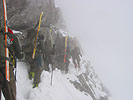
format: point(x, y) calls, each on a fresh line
point(10, 31)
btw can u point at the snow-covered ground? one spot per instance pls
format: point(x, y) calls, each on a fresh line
point(63, 85)
point(61, 88)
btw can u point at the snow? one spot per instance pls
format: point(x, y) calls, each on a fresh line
point(61, 88)
point(17, 32)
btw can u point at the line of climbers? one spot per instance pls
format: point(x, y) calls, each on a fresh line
point(50, 50)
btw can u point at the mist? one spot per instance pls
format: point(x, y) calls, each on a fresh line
point(104, 29)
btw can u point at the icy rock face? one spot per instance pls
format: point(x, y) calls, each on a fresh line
point(89, 83)
point(23, 14)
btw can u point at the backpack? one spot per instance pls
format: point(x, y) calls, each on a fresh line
point(2, 48)
point(14, 45)
point(48, 46)
point(29, 42)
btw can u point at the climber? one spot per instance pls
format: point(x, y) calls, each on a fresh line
point(36, 64)
point(59, 50)
point(68, 56)
point(9, 87)
point(76, 56)
point(48, 52)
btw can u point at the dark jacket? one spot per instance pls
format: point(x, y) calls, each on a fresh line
point(76, 52)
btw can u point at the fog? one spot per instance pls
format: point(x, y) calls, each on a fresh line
point(104, 29)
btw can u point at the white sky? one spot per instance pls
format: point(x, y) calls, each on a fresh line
point(104, 28)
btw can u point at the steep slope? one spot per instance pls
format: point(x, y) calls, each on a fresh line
point(76, 85)
point(61, 89)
